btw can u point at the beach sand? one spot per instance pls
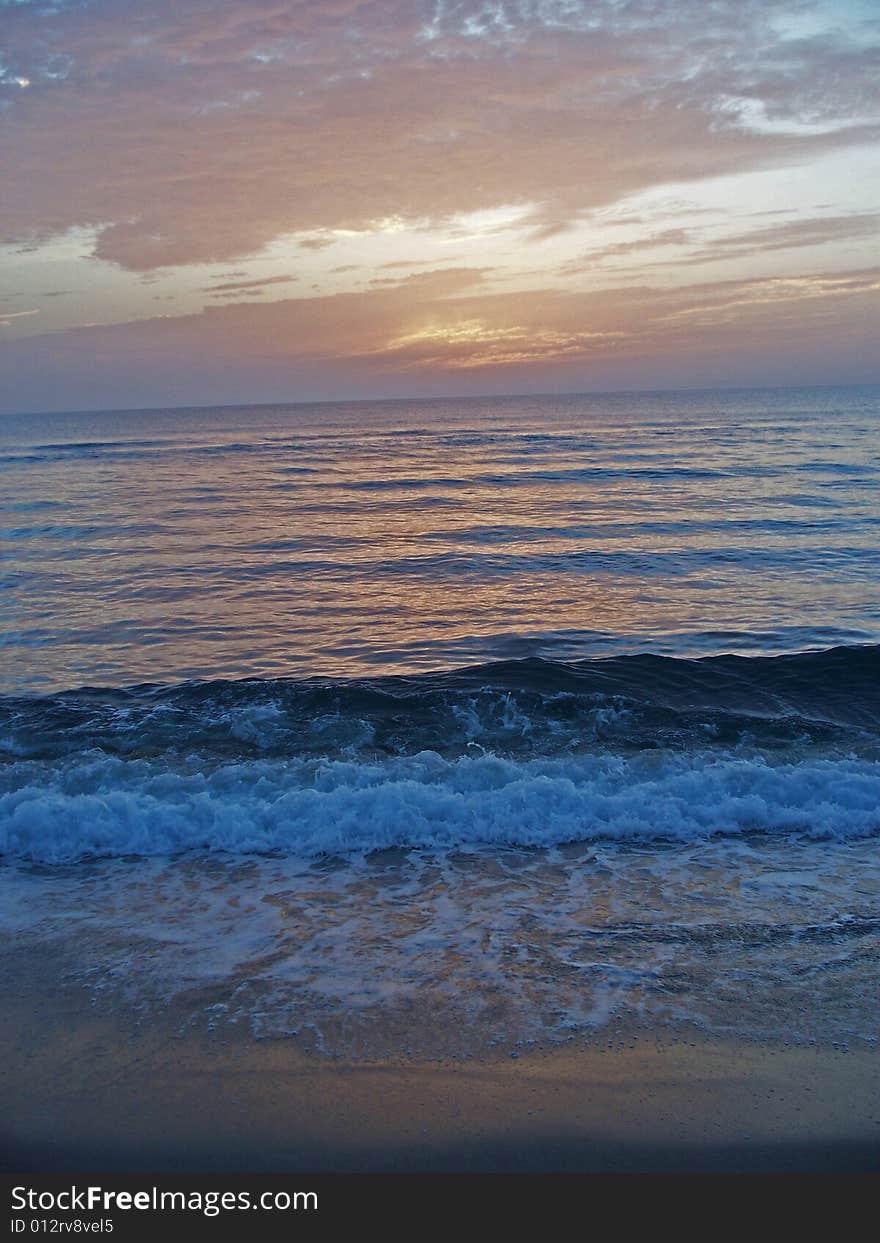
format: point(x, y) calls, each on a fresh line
point(84, 1088)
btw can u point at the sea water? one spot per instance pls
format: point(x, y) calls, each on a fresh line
point(437, 725)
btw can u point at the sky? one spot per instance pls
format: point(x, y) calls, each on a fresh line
point(206, 201)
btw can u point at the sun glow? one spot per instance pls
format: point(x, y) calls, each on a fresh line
point(475, 343)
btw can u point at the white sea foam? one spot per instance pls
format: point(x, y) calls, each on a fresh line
point(95, 805)
point(446, 953)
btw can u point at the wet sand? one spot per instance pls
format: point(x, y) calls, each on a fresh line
point(84, 1089)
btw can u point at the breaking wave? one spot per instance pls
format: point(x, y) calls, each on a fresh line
point(521, 753)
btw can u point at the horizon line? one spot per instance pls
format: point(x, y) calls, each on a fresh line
point(365, 401)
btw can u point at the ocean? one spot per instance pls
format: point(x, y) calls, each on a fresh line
point(536, 718)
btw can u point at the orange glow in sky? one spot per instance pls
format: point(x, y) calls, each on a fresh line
point(227, 201)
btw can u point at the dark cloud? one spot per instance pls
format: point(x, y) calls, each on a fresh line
point(788, 235)
point(318, 242)
point(754, 243)
point(615, 250)
point(792, 235)
point(404, 263)
point(247, 285)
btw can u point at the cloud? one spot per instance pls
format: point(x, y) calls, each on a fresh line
point(792, 235)
point(615, 250)
point(414, 278)
point(6, 317)
point(469, 344)
point(248, 286)
point(787, 235)
point(200, 132)
point(446, 331)
point(740, 303)
point(403, 263)
point(320, 241)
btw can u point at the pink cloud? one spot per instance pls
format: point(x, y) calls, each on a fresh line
point(202, 131)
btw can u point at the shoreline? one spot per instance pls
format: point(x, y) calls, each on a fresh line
point(85, 1091)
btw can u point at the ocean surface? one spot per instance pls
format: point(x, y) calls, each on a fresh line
point(438, 726)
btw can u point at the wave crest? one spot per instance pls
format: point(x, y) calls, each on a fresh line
point(103, 806)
